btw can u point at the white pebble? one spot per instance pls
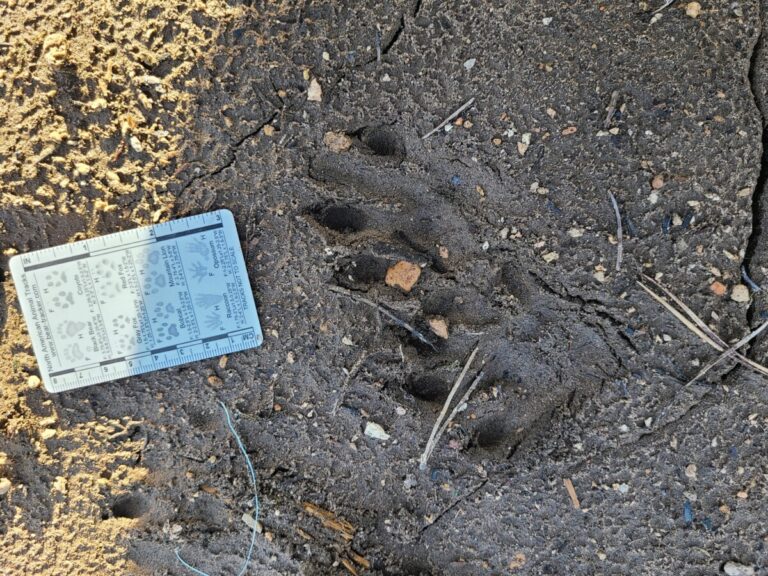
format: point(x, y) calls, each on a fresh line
point(732, 568)
point(5, 486)
point(470, 63)
point(376, 431)
point(740, 293)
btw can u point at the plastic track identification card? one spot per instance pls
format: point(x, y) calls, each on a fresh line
point(137, 301)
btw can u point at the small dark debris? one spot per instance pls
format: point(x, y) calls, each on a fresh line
point(688, 512)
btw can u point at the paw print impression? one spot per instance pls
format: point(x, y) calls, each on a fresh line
point(378, 214)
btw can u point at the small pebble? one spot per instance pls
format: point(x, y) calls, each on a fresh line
point(410, 481)
point(439, 327)
point(48, 433)
point(569, 130)
point(215, 381)
point(374, 430)
point(33, 382)
point(469, 64)
point(403, 275)
point(251, 522)
point(718, 288)
point(315, 91)
point(658, 182)
point(690, 471)
point(135, 144)
point(337, 141)
point(550, 257)
point(693, 9)
point(546, 21)
point(5, 486)
point(740, 293)
point(732, 568)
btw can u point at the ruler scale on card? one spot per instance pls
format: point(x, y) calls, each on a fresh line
point(137, 301)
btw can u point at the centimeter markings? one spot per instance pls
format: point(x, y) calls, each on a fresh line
point(124, 369)
point(117, 241)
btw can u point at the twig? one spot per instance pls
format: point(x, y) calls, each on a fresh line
point(387, 313)
point(699, 327)
point(571, 493)
point(714, 340)
point(611, 109)
point(619, 234)
point(729, 353)
point(464, 399)
point(456, 385)
point(348, 379)
point(667, 4)
point(461, 109)
point(691, 314)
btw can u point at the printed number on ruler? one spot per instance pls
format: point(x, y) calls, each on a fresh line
point(137, 301)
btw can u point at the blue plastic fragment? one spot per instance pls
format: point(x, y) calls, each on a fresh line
point(748, 281)
point(438, 474)
point(687, 512)
point(707, 523)
point(629, 331)
point(666, 226)
point(455, 180)
point(553, 207)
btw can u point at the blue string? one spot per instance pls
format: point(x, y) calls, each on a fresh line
point(256, 505)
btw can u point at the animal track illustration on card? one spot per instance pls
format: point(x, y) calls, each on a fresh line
point(137, 301)
point(69, 329)
point(208, 300)
point(199, 271)
point(199, 248)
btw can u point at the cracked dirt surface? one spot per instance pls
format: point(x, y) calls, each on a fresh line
point(141, 112)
